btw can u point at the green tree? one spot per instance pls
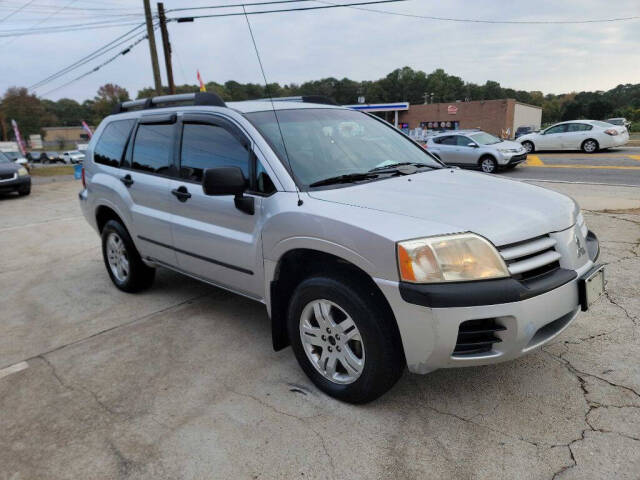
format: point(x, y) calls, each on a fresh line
point(26, 109)
point(106, 99)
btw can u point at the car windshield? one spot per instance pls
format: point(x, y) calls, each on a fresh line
point(325, 143)
point(75, 152)
point(4, 158)
point(484, 138)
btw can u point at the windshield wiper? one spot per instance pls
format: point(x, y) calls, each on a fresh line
point(393, 167)
point(347, 178)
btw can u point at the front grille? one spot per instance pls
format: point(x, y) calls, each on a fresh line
point(477, 336)
point(518, 158)
point(7, 176)
point(531, 258)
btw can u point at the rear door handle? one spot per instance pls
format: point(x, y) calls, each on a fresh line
point(127, 180)
point(182, 193)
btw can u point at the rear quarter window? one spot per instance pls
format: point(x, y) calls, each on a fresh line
point(110, 147)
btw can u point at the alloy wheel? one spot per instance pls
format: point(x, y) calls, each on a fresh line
point(332, 342)
point(590, 146)
point(117, 257)
point(488, 165)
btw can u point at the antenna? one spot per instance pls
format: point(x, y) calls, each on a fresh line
point(273, 107)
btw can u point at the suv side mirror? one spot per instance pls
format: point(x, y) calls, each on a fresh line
point(223, 181)
point(473, 145)
point(228, 181)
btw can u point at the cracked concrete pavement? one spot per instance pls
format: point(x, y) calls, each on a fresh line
point(181, 381)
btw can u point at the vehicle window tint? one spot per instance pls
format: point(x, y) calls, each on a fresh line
point(152, 148)
point(463, 141)
point(448, 140)
point(210, 146)
point(557, 129)
point(110, 146)
point(263, 182)
point(578, 127)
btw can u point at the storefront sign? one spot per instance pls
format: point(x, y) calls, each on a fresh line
point(452, 109)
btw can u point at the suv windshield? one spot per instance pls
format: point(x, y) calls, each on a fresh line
point(325, 143)
point(484, 138)
point(4, 158)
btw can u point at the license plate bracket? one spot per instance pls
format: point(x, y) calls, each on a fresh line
point(591, 286)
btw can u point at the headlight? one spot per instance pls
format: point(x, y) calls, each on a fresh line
point(22, 172)
point(450, 258)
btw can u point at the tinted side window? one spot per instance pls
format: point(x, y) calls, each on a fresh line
point(110, 146)
point(464, 141)
point(209, 146)
point(557, 129)
point(579, 127)
point(449, 140)
point(263, 182)
point(152, 148)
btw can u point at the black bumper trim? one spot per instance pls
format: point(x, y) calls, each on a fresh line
point(483, 292)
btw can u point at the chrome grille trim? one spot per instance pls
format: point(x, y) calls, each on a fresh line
point(533, 262)
point(531, 255)
point(522, 250)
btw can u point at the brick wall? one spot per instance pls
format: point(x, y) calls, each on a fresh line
point(490, 115)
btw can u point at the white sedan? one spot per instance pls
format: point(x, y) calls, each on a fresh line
point(586, 135)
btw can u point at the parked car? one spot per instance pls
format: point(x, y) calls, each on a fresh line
point(368, 253)
point(524, 130)
point(619, 121)
point(13, 177)
point(73, 156)
point(34, 157)
point(476, 149)
point(586, 135)
point(50, 157)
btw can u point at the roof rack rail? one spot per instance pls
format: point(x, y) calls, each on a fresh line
point(321, 99)
point(198, 98)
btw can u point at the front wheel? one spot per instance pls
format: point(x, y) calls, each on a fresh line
point(589, 146)
point(124, 265)
point(488, 165)
point(528, 146)
point(343, 340)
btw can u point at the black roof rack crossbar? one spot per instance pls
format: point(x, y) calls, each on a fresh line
point(198, 98)
point(321, 99)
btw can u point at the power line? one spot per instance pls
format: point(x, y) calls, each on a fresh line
point(211, 7)
point(17, 11)
point(297, 9)
point(44, 20)
point(472, 20)
point(98, 67)
point(63, 28)
point(87, 58)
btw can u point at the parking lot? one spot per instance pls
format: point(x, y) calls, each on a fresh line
point(617, 166)
point(181, 381)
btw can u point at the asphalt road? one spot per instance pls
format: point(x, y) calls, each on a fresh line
point(620, 166)
point(181, 382)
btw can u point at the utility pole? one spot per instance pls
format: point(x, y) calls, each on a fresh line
point(166, 47)
point(152, 48)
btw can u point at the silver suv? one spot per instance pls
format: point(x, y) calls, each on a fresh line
point(476, 149)
point(368, 254)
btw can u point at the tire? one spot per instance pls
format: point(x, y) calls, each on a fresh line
point(590, 146)
point(122, 260)
point(24, 191)
point(528, 146)
point(373, 343)
point(488, 165)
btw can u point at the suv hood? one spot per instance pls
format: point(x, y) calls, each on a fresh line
point(9, 167)
point(503, 211)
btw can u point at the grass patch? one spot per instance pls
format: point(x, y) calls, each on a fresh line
point(52, 171)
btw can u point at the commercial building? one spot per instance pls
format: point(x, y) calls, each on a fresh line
point(64, 137)
point(499, 117)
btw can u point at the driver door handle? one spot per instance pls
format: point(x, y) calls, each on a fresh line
point(127, 180)
point(181, 193)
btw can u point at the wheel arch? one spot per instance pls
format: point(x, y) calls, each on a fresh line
point(296, 264)
point(592, 139)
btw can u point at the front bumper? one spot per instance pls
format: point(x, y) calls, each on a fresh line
point(15, 184)
point(529, 316)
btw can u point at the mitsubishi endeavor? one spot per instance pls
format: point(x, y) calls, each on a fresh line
point(369, 254)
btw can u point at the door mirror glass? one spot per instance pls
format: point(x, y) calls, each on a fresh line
point(473, 145)
point(224, 181)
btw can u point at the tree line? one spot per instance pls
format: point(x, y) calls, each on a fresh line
point(403, 84)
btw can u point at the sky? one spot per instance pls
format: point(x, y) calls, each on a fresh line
point(341, 42)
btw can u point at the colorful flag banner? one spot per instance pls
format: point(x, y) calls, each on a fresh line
point(202, 87)
point(16, 132)
point(87, 129)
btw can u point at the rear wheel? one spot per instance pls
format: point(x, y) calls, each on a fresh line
point(528, 146)
point(589, 146)
point(488, 164)
point(341, 338)
point(124, 265)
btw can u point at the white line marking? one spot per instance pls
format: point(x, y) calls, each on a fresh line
point(15, 368)
point(577, 183)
